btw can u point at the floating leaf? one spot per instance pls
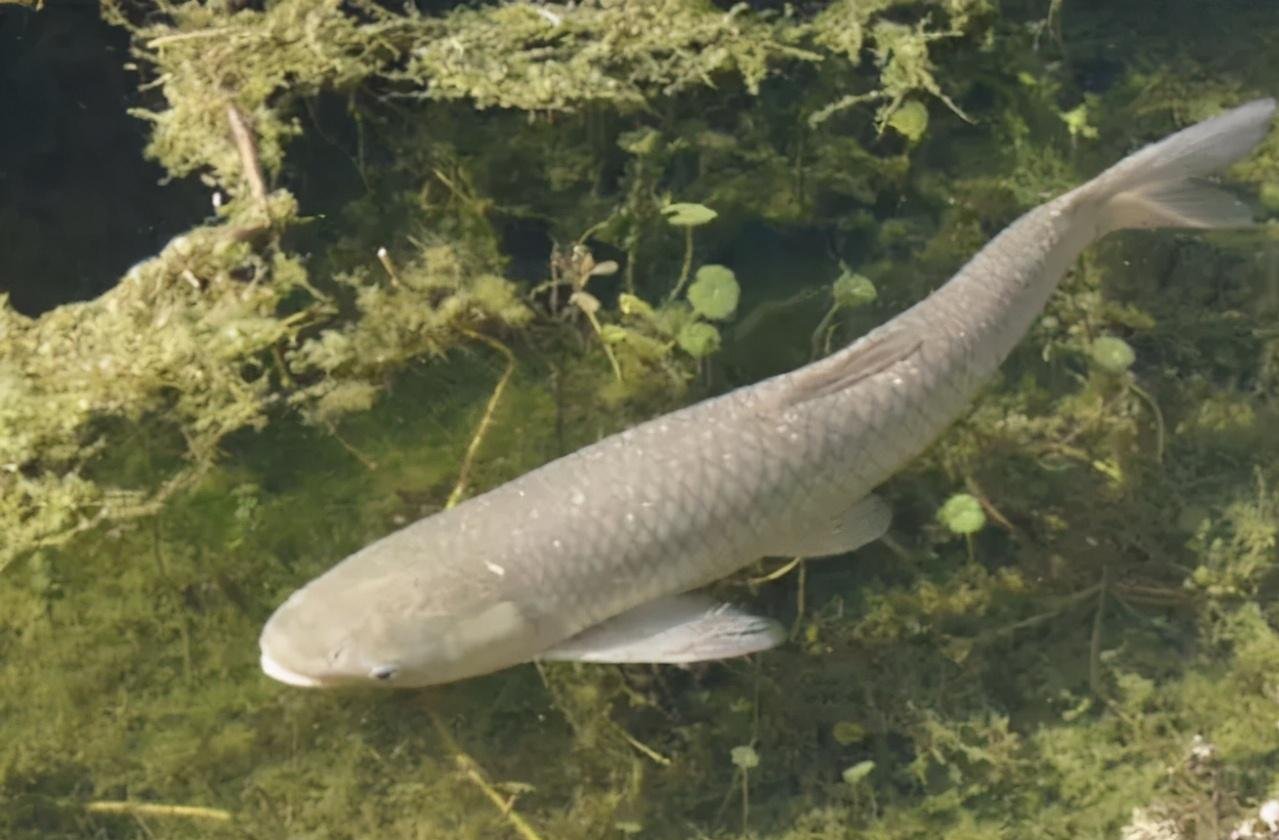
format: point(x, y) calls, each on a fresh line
point(962, 514)
point(684, 214)
point(585, 301)
point(699, 339)
point(745, 757)
point(859, 771)
point(1113, 355)
point(1077, 124)
point(715, 292)
point(910, 120)
point(853, 290)
point(613, 334)
point(673, 317)
point(635, 306)
point(641, 141)
point(848, 733)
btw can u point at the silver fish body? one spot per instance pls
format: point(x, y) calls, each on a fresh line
point(782, 467)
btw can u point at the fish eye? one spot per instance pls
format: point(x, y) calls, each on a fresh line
point(385, 673)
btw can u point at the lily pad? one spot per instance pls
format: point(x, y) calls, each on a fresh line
point(745, 757)
point(962, 514)
point(1113, 355)
point(685, 214)
point(853, 290)
point(698, 339)
point(910, 120)
point(714, 294)
point(847, 733)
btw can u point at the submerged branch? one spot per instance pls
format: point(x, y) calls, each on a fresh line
point(486, 420)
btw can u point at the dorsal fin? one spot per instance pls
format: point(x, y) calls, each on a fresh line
point(864, 358)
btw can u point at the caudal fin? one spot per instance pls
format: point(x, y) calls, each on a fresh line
point(1158, 187)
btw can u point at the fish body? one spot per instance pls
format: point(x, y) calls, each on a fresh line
point(588, 556)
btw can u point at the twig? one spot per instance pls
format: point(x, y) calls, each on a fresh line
point(188, 36)
point(608, 351)
point(801, 587)
point(464, 472)
point(989, 507)
point(1159, 418)
point(776, 573)
point(640, 745)
point(368, 462)
point(384, 257)
point(1035, 620)
point(1094, 648)
point(248, 149)
point(154, 809)
point(473, 772)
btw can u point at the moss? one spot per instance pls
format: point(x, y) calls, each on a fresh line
point(273, 395)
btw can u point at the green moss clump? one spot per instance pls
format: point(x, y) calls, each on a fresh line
point(275, 395)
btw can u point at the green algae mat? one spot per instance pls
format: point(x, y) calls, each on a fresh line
point(437, 246)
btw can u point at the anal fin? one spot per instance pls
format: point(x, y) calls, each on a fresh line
point(675, 630)
point(864, 522)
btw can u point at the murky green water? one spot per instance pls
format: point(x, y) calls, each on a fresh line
point(1106, 642)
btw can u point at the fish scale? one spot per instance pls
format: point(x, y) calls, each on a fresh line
point(586, 557)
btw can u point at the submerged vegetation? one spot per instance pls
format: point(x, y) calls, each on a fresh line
point(446, 247)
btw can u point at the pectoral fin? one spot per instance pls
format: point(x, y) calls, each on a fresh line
point(864, 522)
point(674, 630)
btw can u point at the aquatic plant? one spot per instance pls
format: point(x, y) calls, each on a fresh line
point(267, 394)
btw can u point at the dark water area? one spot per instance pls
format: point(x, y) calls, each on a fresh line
point(79, 203)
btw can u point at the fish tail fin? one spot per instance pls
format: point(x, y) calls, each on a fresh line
point(1159, 187)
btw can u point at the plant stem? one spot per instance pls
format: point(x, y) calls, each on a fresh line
point(486, 420)
point(687, 267)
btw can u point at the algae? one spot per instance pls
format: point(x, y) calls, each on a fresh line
point(307, 369)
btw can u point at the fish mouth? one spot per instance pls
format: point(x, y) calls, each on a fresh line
point(276, 671)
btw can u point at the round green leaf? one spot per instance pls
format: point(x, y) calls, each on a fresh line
point(854, 775)
point(1113, 355)
point(684, 214)
point(910, 120)
point(673, 317)
point(745, 757)
point(962, 514)
point(698, 339)
point(714, 293)
point(853, 290)
point(847, 733)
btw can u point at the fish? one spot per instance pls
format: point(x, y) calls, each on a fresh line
point(599, 556)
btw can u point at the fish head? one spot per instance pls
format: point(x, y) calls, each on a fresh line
point(380, 634)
